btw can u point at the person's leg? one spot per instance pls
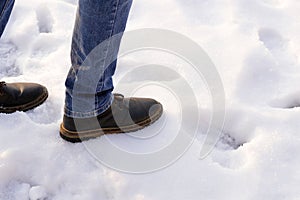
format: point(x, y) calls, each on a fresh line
point(90, 108)
point(6, 7)
point(88, 92)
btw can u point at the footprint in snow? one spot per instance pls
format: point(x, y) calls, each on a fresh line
point(227, 153)
point(44, 18)
point(271, 39)
point(287, 102)
point(8, 56)
point(228, 142)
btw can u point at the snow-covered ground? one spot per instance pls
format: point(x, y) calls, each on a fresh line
point(253, 43)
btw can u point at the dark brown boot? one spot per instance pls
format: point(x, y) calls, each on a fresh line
point(21, 96)
point(124, 115)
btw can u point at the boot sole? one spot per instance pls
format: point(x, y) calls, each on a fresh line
point(25, 107)
point(74, 137)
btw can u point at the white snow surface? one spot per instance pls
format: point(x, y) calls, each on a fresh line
point(255, 47)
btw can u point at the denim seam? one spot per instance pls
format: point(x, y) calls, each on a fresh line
point(110, 36)
point(108, 46)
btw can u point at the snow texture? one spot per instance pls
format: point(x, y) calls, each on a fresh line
point(253, 43)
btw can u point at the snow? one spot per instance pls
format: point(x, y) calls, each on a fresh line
point(254, 45)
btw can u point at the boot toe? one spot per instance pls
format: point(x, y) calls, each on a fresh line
point(33, 91)
point(144, 109)
point(21, 96)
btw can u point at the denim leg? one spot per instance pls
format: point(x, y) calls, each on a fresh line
point(89, 83)
point(6, 7)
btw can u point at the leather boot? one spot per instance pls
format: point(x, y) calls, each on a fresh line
point(124, 115)
point(21, 96)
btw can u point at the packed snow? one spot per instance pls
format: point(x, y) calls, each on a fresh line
point(253, 43)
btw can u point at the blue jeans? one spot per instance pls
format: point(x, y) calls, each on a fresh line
point(5, 10)
point(89, 82)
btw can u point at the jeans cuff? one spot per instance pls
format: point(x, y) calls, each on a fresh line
point(94, 113)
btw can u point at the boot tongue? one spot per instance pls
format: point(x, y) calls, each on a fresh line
point(121, 101)
point(118, 96)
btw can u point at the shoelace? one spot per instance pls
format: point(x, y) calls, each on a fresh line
point(2, 84)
